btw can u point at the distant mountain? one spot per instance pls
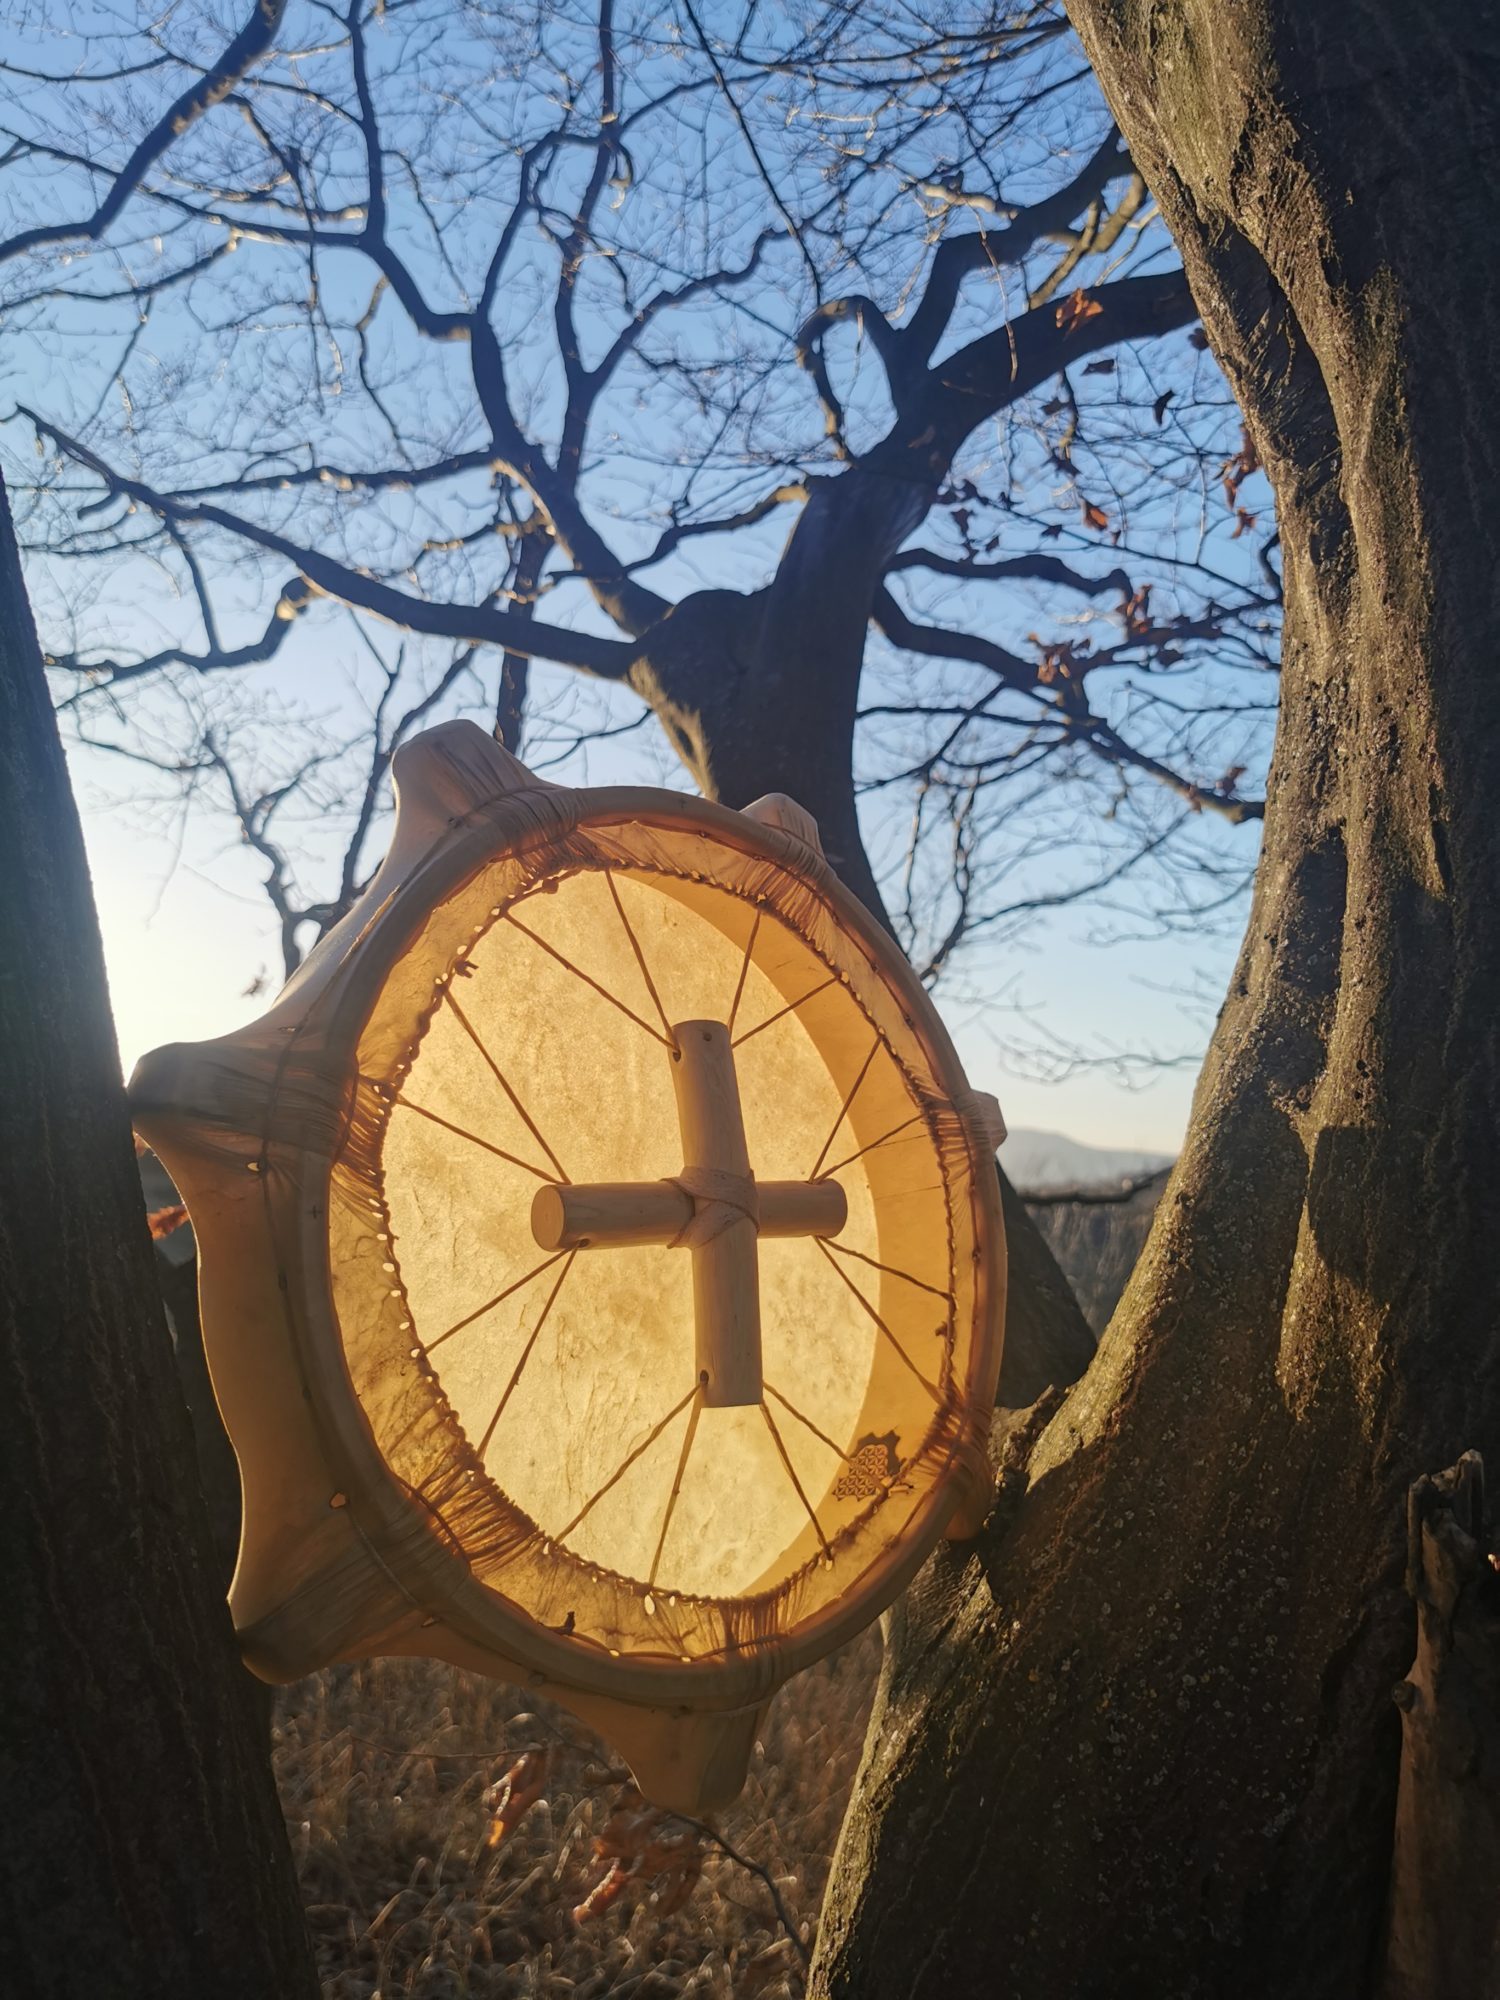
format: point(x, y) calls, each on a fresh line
point(1051, 1160)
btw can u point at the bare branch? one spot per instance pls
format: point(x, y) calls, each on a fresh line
point(982, 249)
point(481, 624)
point(292, 601)
point(1083, 726)
point(711, 282)
point(995, 371)
point(1202, 798)
point(1034, 568)
point(249, 45)
point(867, 316)
point(940, 644)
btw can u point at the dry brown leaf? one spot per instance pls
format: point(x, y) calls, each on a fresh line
point(648, 1848)
point(1136, 612)
point(515, 1792)
point(1067, 661)
point(1075, 309)
point(1239, 468)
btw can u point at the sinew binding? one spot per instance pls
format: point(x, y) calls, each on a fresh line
point(601, 1261)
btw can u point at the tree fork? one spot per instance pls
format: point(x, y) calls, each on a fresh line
point(1139, 1738)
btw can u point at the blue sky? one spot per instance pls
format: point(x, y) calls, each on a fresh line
point(187, 930)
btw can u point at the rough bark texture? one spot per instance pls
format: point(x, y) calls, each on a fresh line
point(745, 721)
point(1444, 1926)
point(142, 1851)
point(1140, 1738)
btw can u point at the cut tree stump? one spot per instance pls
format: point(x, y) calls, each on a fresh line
point(1443, 1937)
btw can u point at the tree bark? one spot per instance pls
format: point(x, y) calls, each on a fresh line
point(218, 1469)
point(143, 1853)
point(1140, 1740)
point(747, 686)
point(1443, 1933)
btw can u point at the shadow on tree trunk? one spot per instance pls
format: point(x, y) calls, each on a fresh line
point(1444, 1927)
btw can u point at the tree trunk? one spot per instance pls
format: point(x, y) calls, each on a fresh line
point(760, 693)
point(1140, 1739)
point(144, 1854)
point(218, 1469)
point(1443, 1934)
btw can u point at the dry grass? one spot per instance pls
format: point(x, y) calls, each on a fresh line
point(419, 1882)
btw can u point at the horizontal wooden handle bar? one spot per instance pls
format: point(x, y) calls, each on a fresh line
point(577, 1215)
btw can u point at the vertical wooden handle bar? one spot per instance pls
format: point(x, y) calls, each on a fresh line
point(726, 1277)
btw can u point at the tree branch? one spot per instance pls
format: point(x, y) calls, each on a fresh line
point(1036, 568)
point(670, 537)
point(595, 378)
point(293, 600)
point(867, 316)
point(978, 249)
point(248, 46)
point(997, 370)
point(940, 644)
point(607, 659)
point(1082, 724)
point(344, 479)
point(1110, 744)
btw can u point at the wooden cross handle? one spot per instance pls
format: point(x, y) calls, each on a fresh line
point(715, 1208)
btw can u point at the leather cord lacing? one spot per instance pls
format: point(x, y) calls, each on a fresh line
point(719, 1201)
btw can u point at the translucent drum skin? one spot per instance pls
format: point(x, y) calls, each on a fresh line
point(601, 1261)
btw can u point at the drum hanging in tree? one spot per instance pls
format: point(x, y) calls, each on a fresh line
point(601, 1261)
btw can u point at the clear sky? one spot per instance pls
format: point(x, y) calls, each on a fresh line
point(189, 936)
point(187, 932)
